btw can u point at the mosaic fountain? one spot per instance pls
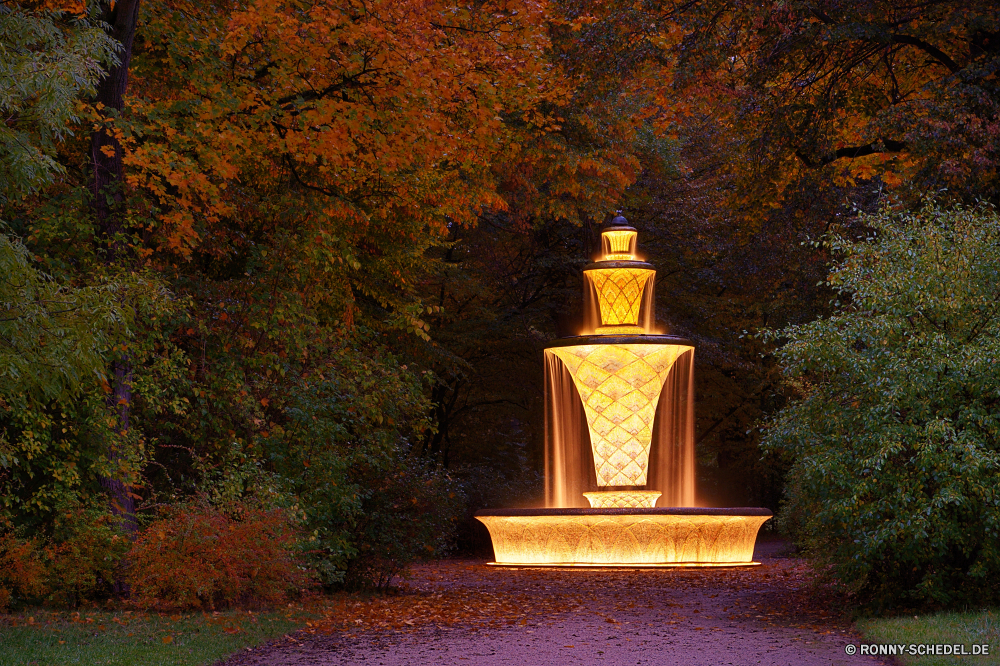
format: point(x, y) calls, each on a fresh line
point(619, 460)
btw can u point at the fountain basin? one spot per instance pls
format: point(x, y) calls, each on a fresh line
point(655, 537)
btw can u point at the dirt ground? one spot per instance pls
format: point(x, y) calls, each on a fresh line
point(463, 610)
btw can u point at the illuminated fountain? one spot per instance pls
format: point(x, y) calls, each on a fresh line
point(619, 459)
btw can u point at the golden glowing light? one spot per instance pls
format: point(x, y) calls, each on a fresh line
point(637, 539)
point(619, 244)
point(619, 291)
point(620, 386)
point(620, 330)
point(619, 382)
point(623, 499)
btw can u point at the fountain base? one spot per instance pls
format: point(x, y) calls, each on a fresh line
point(656, 537)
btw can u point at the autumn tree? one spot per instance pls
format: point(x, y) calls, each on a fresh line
point(107, 182)
point(779, 120)
point(53, 336)
point(513, 281)
point(53, 57)
point(301, 164)
point(283, 169)
point(834, 93)
point(627, 138)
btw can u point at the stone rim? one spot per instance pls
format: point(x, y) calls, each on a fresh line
point(618, 263)
point(657, 511)
point(653, 339)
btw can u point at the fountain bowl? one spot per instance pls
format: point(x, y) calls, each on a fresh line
point(634, 538)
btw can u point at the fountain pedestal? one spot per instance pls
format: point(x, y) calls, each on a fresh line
point(669, 537)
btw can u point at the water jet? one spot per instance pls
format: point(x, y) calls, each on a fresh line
point(619, 431)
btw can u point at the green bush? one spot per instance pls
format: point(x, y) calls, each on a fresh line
point(343, 454)
point(895, 431)
point(83, 557)
point(408, 512)
point(485, 486)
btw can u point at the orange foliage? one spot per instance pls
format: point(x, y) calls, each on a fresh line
point(813, 94)
point(196, 556)
point(21, 570)
point(384, 115)
point(78, 7)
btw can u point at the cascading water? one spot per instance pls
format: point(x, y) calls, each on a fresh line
point(619, 426)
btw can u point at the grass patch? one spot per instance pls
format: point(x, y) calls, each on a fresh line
point(968, 629)
point(43, 638)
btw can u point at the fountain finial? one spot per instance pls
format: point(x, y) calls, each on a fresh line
point(619, 220)
point(618, 240)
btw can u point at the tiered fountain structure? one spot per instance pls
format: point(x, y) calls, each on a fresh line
point(619, 420)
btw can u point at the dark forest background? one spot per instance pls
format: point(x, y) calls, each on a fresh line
point(296, 262)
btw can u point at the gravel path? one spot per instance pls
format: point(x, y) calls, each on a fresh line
point(770, 614)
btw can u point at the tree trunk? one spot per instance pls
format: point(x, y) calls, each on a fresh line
point(106, 187)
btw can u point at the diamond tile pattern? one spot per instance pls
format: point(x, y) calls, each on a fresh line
point(620, 386)
point(623, 539)
point(619, 291)
point(620, 330)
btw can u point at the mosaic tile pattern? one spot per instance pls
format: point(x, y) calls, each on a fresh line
point(623, 540)
point(620, 330)
point(620, 386)
point(623, 499)
point(619, 291)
